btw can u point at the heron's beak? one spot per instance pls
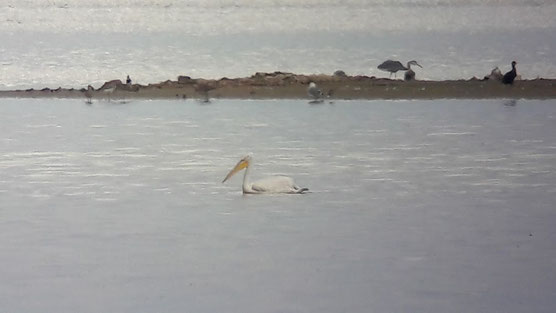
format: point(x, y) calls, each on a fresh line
point(239, 166)
point(418, 65)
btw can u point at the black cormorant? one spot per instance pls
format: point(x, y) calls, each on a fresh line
point(509, 77)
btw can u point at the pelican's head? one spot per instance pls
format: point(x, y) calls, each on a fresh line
point(413, 62)
point(243, 163)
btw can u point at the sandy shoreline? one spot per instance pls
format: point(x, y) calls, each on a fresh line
point(280, 85)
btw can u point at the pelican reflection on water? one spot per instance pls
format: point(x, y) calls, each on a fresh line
point(273, 184)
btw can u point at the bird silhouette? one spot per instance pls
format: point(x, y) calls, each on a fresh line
point(509, 77)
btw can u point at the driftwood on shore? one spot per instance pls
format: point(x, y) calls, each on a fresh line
point(281, 85)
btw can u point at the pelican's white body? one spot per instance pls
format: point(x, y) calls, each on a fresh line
point(274, 184)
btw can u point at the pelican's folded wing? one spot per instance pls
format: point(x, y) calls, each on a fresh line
point(275, 184)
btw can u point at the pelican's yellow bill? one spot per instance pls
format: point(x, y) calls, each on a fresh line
point(239, 166)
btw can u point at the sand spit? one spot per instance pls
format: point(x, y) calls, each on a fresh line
point(279, 85)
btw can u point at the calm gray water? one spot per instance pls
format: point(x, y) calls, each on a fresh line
point(416, 206)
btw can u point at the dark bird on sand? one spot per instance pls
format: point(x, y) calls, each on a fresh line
point(509, 77)
point(394, 66)
point(409, 75)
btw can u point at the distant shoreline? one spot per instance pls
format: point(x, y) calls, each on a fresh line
point(279, 85)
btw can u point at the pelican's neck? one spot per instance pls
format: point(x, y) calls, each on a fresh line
point(245, 185)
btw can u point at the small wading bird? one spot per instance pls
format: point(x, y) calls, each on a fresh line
point(314, 92)
point(394, 66)
point(89, 94)
point(509, 77)
point(274, 184)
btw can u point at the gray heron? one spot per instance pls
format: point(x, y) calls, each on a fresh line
point(394, 66)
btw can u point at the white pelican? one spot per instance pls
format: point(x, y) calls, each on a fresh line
point(274, 184)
